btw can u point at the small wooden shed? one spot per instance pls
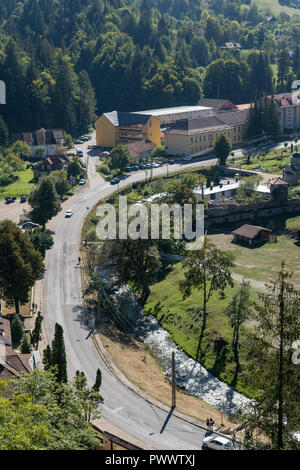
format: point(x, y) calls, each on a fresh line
point(252, 234)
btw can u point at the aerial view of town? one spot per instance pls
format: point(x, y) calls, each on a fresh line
point(150, 228)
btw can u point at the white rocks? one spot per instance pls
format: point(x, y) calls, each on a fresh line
point(190, 375)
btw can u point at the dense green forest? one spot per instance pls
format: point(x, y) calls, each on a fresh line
point(64, 61)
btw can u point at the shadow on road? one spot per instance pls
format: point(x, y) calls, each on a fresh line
point(167, 420)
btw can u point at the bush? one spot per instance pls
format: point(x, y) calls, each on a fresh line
point(17, 330)
point(25, 345)
point(104, 169)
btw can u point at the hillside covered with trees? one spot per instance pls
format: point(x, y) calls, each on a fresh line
point(64, 61)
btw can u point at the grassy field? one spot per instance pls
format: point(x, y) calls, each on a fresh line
point(182, 319)
point(23, 185)
point(263, 263)
point(275, 7)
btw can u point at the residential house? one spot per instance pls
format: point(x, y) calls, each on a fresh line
point(140, 151)
point(231, 46)
point(197, 136)
point(227, 188)
point(47, 139)
point(12, 364)
point(49, 164)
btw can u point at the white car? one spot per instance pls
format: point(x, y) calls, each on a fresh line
point(82, 181)
point(79, 152)
point(217, 443)
point(69, 213)
point(187, 159)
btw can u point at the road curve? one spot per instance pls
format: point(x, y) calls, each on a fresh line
point(62, 303)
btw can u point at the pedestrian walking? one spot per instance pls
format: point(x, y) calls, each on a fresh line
point(79, 259)
point(207, 424)
point(211, 424)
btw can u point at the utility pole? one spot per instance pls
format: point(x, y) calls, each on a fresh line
point(173, 381)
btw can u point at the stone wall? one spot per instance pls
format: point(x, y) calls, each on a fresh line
point(243, 213)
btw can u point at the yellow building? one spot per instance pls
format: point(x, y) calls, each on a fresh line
point(197, 136)
point(123, 128)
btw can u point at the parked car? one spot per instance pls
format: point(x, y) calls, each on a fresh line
point(217, 443)
point(23, 199)
point(104, 154)
point(68, 213)
point(134, 168)
point(127, 169)
point(141, 166)
point(80, 152)
point(78, 141)
point(82, 181)
point(8, 199)
point(188, 158)
point(115, 181)
point(155, 165)
point(148, 165)
point(29, 224)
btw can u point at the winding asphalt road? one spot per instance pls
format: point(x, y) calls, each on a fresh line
point(62, 303)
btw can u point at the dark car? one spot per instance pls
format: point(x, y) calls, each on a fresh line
point(134, 168)
point(142, 166)
point(127, 169)
point(29, 224)
point(23, 199)
point(9, 199)
point(115, 181)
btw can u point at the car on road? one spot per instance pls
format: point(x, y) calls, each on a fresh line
point(134, 168)
point(217, 443)
point(148, 165)
point(155, 165)
point(141, 166)
point(80, 152)
point(115, 181)
point(23, 198)
point(82, 181)
point(78, 141)
point(127, 169)
point(68, 213)
point(29, 224)
point(9, 200)
point(188, 158)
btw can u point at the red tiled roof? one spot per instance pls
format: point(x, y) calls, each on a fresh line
point(287, 99)
point(136, 148)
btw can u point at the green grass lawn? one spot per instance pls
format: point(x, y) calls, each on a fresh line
point(23, 185)
point(275, 7)
point(182, 319)
point(263, 263)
